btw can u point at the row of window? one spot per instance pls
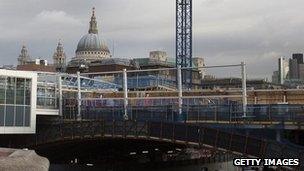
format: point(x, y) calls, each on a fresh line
point(15, 115)
point(15, 91)
point(15, 101)
point(99, 53)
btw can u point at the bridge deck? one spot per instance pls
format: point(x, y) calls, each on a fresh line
point(175, 132)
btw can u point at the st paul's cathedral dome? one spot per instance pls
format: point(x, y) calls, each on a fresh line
point(89, 46)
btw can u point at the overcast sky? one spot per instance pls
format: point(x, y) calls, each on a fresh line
point(224, 31)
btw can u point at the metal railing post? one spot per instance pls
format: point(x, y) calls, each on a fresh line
point(79, 96)
point(244, 89)
point(125, 89)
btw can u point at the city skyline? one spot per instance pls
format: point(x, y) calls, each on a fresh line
point(224, 32)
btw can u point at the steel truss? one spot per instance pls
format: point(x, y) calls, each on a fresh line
point(184, 39)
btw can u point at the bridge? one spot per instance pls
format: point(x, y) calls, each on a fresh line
point(194, 135)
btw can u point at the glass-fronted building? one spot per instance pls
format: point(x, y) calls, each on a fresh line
point(47, 94)
point(17, 102)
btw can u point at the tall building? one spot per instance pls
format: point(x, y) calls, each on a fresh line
point(293, 69)
point(24, 57)
point(59, 58)
point(283, 70)
point(298, 57)
point(301, 71)
point(275, 77)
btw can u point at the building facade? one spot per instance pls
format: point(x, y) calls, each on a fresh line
point(293, 69)
point(17, 102)
point(298, 57)
point(275, 77)
point(301, 71)
point(199, 62)
point(158, 56)
point(24, 95)
point(283, 70)
point(291, 72)
point(37, 65)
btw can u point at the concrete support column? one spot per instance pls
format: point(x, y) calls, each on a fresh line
point(244, 89)
point(125, 89)
point(79, 96)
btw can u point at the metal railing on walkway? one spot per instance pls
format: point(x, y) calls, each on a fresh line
point(195, 110)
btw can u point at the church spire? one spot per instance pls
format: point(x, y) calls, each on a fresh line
point(93, 23)
point(59, 57)
point(24, 57)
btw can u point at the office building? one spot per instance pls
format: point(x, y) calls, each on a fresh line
point(298, 57)
point(283, 70)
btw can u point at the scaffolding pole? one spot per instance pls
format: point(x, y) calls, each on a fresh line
point(60, 95)
point(180, 89)
point(244, 89)
point(125, 89)
point(79, 96)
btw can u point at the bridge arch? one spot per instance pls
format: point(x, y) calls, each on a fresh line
point(99, 150)
point(177, 133)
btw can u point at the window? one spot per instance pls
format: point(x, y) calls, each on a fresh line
point(9, 117)
point(1, 115)
point(10, 90)
point(2, 89)
point(15, 98)
point(27, 92)
point(46, 97)
point(27, 116)
point(20, 84)
point(19, 116)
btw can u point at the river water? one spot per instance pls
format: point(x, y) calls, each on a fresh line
point(219, 166)
point(60, 167)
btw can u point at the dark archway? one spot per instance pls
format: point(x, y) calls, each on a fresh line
point(105, 150)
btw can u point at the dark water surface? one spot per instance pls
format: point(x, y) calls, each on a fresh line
point(62, 167)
